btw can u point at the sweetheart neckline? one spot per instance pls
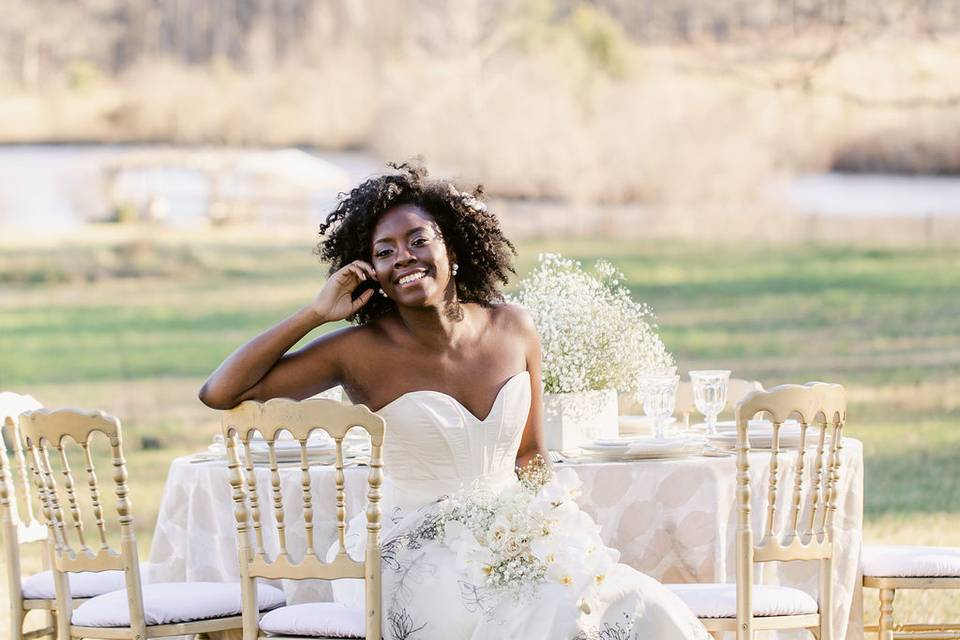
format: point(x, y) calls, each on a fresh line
point(493, 407)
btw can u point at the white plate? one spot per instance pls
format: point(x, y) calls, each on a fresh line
point(762, 438)
point(637, 441)
point(642, 448)
point(722, 425)
point(620, 441)
point(731, 425)
point(641, 455)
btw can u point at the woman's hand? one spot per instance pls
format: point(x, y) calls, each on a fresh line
point(263, 368)
point(335, 300)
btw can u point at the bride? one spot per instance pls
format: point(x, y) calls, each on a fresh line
point(417, 266)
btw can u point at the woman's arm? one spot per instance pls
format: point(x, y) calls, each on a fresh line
point(531, 442)
point(263, 369)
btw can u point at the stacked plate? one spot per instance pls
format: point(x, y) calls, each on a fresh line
point(321, 449)
point(761, 435)
point(642, 448)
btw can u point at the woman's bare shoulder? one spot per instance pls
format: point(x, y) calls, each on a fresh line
point(512, 324)
point(513, 318)
point(365, 335)
point(345, 344)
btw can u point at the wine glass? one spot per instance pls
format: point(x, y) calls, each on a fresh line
point(710, 394)
point(659, 399)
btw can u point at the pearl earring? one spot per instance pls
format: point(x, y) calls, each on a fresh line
point(383, 293)
point(456, 268)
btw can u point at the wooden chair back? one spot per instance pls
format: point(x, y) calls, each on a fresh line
point(17, 492)
point(299, 419)
point(807, 530)
point(48, 436)
point(19, 509)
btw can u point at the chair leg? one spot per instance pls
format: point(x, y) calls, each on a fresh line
point(63, 626)
point(54, 619)
point(16, 622)
point(885, 631)
point(51, 616)
point(717, 635)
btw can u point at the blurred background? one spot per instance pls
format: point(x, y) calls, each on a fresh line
point(778, 179)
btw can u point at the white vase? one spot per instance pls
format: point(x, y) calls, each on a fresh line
point(572, 419)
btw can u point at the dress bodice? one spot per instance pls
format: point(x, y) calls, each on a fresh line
point(435, 445)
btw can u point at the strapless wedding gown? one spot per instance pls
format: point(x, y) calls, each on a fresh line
point(434, 447)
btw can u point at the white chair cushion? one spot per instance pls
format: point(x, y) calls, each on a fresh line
point(903, 561)
point(720, 600)
point(172, 602)
point(83, 584)
point(325, 619)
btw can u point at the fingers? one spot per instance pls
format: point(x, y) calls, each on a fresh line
point(350, 275)
point(362, 300)
point(366, 267)
point(361, 270)
point(358, 272)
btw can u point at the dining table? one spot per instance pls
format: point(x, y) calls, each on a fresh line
point(674, 519)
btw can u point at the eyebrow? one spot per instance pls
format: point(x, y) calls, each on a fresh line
point(409, 233)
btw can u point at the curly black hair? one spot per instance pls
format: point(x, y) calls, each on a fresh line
point(484, 254)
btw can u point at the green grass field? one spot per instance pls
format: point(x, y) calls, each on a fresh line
point(133, 325)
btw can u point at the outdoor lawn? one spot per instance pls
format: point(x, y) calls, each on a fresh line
point(133, 323)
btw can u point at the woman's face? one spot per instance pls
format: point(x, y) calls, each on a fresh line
point(411, 258)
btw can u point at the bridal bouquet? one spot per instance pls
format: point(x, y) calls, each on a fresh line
point(528, 534)
point(593, 334)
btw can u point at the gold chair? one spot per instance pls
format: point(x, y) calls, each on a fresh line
point(744, 608)
point(890, 568)
point(138, 611)
point(21, 527)
point(300, 419)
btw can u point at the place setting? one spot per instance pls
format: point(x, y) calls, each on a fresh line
point(657, 435)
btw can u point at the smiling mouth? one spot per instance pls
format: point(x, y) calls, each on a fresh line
point(413, 277)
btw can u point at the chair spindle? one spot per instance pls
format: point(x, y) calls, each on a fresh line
point(307, 497)
point(341, 501)
point(68, 487)
point(95, 496)
point(277, 498)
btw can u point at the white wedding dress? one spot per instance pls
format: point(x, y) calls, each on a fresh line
point(434, 446)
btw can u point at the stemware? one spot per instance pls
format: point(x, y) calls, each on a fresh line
point(659, 399)
point(710, 394)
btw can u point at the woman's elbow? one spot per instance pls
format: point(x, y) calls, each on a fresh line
point(214, 399)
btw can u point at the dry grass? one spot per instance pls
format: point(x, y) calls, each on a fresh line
point(533, 113)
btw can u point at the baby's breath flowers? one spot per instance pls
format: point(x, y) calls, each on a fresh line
point(593, 335)
point(528, 534)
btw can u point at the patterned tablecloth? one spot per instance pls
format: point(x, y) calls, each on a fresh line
point(672, 519)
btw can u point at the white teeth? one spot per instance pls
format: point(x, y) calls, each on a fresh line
point(412, 277)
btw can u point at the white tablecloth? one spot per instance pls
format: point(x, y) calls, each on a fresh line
point(672, 519)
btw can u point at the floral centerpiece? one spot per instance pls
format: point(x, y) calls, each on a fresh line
point(595, 340)
point(531, 533)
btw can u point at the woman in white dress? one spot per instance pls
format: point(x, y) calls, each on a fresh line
point(417, 266)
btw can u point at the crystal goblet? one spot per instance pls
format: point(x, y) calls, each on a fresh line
point(710, 394)
point(659, 400)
